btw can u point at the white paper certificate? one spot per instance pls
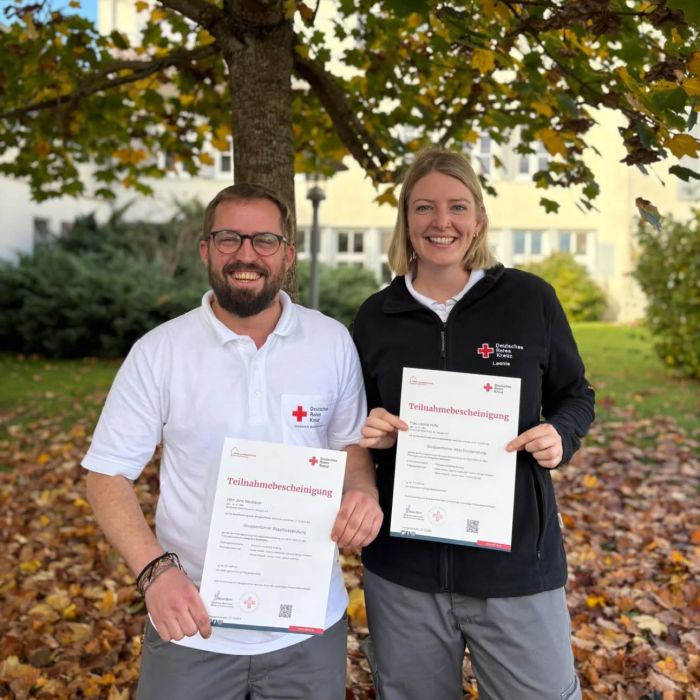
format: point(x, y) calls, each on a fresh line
point(454, 479)
point(269, 555)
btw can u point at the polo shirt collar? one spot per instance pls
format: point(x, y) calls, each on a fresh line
point(286, 324)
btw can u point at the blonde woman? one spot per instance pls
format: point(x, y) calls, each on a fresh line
point(449, 307)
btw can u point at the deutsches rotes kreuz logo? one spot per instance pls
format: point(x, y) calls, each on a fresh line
point(499, 354)
point(309, 415)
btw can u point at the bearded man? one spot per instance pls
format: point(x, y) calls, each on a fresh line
point(237, 366)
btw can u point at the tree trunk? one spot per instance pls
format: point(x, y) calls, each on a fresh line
point(260, 62)
point(260, 73)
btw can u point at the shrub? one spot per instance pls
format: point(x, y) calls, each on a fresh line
point(341, 289)
point(581, 297)
point(668, 271)
point(97, 289)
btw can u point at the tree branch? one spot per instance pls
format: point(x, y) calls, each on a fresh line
point(349, 128)
point(100, 82)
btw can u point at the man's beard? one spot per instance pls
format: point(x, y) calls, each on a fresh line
point(245, 302)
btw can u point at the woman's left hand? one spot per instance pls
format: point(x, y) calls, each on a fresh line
point(543, 442)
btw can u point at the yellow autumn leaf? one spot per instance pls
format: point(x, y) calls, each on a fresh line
point(158, 15)
point(595, 600)
point(483, 60)
point(488, 7)
point(542, 108)
point(81, 503)
point(356, 607)
point(58, 601)
point(206, 159)
point(694, 63)
point(223, 145)
point(30, 567)
point(223, 130)
point(683, 145)
point(141, 6)
point(692, 86)
point(678, 558)
point(108, 602)
point(669, 668)
point(590, 481)
point(552, 141)
point(186, 99)
point(387, 197)
point(43, 458)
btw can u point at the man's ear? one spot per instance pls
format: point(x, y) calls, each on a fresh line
point(289, 255)
point(204, 252)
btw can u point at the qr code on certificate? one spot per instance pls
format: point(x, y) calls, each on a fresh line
point(285, 610)
point(472, 526)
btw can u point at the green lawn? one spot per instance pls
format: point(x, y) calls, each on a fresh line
point(628, 376)
point(33, 388)
point(620, 363)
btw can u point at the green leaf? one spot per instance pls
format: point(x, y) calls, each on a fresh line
point(685, 174)
point(403, 8)
point(690, 9)
point(550, 206)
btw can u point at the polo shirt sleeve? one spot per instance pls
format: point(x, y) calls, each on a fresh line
point(351, 406)
point(131, 423)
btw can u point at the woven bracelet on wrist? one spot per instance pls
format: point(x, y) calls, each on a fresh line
point(155, 568)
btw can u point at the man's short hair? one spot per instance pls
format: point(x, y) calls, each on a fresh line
point(247, 192)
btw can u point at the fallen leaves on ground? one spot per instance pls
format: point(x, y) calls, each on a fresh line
point(72, 621)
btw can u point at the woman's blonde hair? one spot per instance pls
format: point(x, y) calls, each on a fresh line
point(402, 257)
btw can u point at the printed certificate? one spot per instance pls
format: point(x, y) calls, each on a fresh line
point(269, 554)
point(454, 479)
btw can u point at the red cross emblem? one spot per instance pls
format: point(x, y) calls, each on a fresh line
point(249, 602)
point(485, 350)
point(487, 386)
point(437, 516)
point(299, 413)
point(313, 461)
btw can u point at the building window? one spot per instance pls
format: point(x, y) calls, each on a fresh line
point(529, 163)
point(343, 242)
point(536, 243)
point(483, 155)
point(527, 242)
point(519, 243)
point(42, 230)
point(358, 243)
point(581, 244)
point(564, 245)
point(225, 163)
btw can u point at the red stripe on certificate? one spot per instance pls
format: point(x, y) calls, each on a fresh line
point(306, 630)
point(493, 545)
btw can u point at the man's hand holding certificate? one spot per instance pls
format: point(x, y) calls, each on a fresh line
point(454, 478)
point(269, 555)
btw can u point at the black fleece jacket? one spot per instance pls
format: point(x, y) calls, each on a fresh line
point(515, 322)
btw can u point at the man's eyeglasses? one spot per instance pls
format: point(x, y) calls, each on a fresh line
point(264, 243)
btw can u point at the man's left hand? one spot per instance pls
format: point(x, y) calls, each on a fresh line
point(358, 520)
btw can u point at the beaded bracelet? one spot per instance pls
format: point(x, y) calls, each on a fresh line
point(155, 568)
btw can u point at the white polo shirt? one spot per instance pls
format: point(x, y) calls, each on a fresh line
point(190, 383)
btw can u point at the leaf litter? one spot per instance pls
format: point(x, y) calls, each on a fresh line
point(72, 620)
